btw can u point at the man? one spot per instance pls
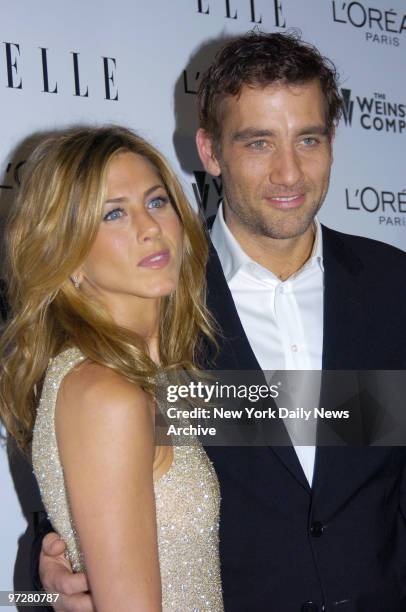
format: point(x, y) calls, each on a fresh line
point(302, 529)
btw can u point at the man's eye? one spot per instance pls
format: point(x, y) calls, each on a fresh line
point(258, 145)
point(158, 202)
point(310, 140)
point(117, 213)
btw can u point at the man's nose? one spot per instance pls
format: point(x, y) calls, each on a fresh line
point(146, 226)
point(286, 168)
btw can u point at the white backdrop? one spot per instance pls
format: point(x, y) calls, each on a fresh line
point(137, 62)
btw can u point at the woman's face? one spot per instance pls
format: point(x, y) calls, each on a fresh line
point(138, 249)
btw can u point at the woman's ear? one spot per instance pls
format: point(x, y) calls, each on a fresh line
point(77, 278)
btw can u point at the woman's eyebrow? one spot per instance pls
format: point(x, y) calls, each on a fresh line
point(118, 200)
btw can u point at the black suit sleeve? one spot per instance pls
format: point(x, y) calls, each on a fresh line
point(42, 526)
point(3, 301)
point(402, 502)
point(402, 532)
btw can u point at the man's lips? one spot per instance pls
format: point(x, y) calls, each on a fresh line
point(286, 202)
point(156, 260)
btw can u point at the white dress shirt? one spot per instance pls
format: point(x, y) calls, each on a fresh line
point(283, 320)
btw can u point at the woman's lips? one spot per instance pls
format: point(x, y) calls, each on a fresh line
point(286, 202)
point(156, 260)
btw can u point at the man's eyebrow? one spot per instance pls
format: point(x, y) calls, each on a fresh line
point(122, 199)
point(249, 133)
point(321, 130)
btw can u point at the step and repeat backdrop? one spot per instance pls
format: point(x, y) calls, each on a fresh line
point(138, 63)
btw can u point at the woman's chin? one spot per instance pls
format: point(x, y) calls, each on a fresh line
point(161, 289)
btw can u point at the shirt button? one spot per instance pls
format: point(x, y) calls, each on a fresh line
point(294, 348)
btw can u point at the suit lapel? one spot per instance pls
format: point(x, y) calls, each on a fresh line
point(235, 352)
point(343, 329)
point(287, 455)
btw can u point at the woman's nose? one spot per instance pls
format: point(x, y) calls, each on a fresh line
point(146, 226)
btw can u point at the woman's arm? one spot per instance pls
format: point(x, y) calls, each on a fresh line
point(105, 431)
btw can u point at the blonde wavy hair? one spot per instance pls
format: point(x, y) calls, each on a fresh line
point(50, 232)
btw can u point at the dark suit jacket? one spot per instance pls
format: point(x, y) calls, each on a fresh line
point(342, 544)
point(285, 547)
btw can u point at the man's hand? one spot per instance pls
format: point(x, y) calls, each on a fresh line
point(57, 577)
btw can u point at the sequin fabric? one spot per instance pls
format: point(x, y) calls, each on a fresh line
point(187, 507)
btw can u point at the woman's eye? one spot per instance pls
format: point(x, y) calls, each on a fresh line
point(117, 213)
point(158, 202)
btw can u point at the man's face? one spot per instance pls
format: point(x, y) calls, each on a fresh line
point(274, 157)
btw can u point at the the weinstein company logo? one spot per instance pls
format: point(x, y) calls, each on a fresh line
point(207, 195)
point(374, 113)
point(388, 206)
point(50, 82)
point(248, 12)
point(384, 27)
point(348, 106)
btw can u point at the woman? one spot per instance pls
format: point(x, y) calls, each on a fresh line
point(107, 264)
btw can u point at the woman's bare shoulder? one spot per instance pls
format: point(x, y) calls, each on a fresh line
point(92, 387)
point(90, 383)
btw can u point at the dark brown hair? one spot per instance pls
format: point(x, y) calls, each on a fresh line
point(259, 59)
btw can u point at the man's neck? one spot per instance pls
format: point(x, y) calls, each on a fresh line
point(283, 257)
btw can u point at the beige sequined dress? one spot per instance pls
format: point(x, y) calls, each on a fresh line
point(187, 507)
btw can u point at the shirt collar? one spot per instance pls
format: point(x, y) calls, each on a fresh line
point(233, 257)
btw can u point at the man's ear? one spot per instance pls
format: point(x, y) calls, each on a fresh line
point(205, 148)
point(331, 138)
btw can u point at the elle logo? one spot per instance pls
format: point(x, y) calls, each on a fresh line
point(50, 85)
point(204, 7)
